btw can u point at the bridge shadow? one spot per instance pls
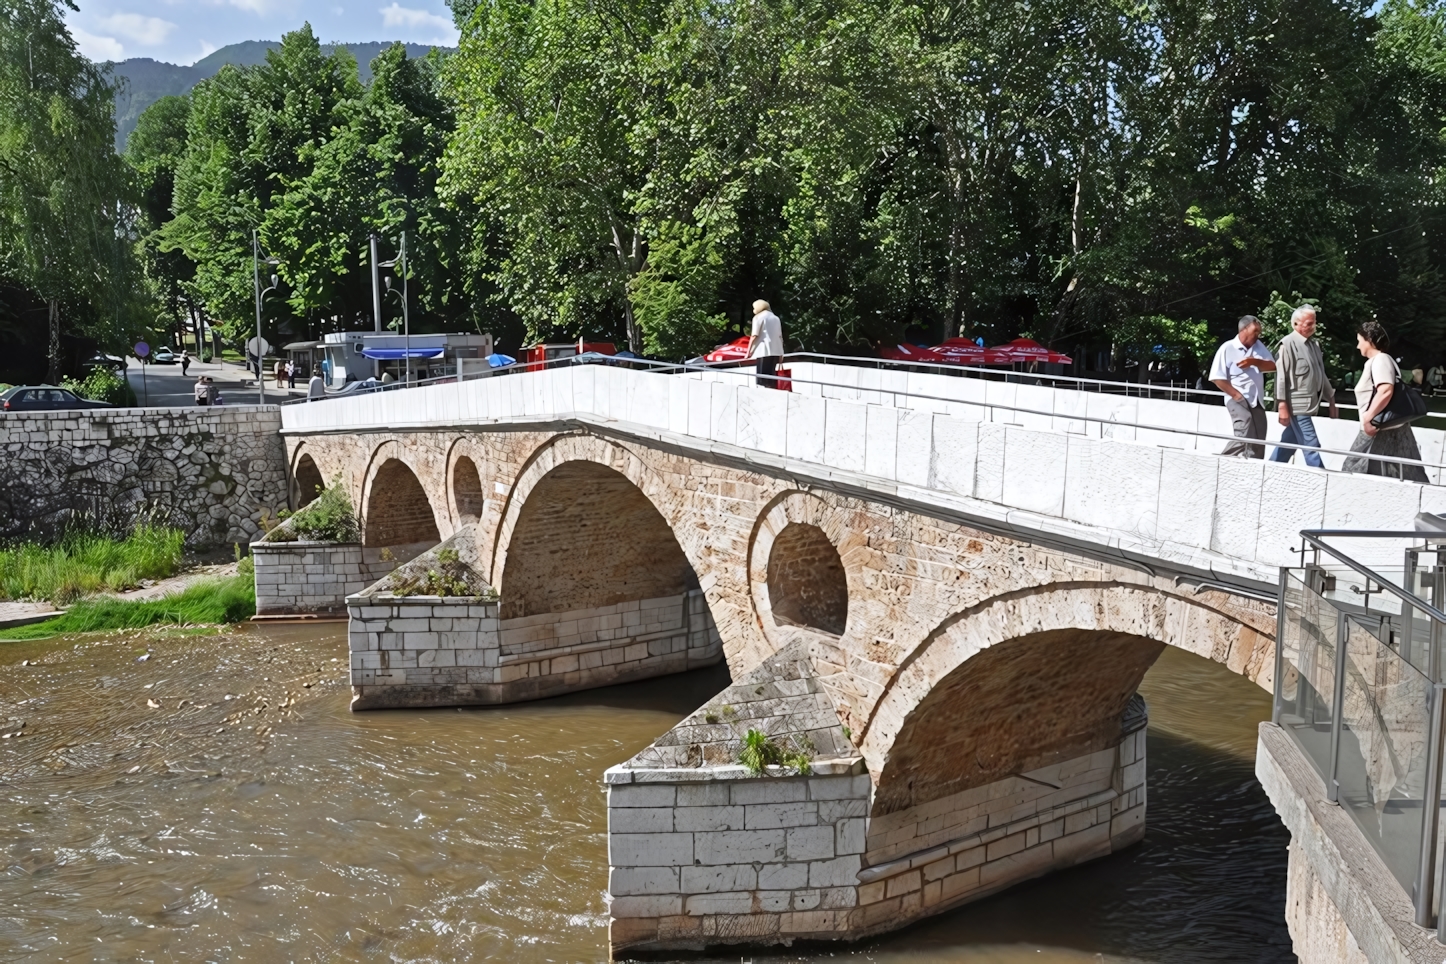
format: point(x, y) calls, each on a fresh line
point(680, 693)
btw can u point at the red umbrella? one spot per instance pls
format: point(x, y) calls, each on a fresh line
point(911, 353)
point(1026, 350)
point(962, 351)
point(735, 350)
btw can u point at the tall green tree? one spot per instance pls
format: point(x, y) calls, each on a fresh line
point(64, 194)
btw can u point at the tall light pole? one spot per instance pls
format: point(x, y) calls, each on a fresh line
point(376, 302)
point(256, 282)
point(400, 261)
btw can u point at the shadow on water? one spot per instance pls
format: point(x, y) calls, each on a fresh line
point(186, 798)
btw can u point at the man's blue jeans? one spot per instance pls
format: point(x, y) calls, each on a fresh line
point(1300, 430)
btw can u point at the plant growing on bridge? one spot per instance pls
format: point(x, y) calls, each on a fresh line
point(327, 518)
point(758, 751)
point(449, 577)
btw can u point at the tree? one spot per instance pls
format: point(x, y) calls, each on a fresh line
point(64, 196)
point(154, 151)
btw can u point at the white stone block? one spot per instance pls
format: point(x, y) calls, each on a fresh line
point(1034, 471)
point(718, 879)
point(652, 905)
point(1239, 488)
point(845, 433)
point(1114, 485)
point(839, 872)
point(1186, 513)
point(640, 795)
point(763, 419)
point(771, 816)
point(634, 881)
point(881, 441)
point(650, 849)
point(915, 443)
point(640, 820)
point(738, 847)
point(690, 818)
point(747, 792)
point(989, 463)
point(707, 904)
point(810, 843)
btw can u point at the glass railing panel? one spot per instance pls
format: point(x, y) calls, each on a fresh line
point(1307, 684)
point(1381, 771)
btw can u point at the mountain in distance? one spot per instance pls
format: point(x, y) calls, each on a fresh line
point(147, 81)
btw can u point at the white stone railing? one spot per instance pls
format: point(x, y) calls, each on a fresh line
point(1115, 484)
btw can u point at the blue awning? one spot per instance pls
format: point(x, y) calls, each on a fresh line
point(393, 354)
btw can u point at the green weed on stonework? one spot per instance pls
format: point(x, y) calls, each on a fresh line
point(449, 577)
point(82, 563)
point(758, 751)
point(327, 518)
point(203, 603)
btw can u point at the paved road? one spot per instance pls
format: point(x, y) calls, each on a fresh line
point(163, 386)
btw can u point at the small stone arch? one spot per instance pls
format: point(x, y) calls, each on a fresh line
point(468, 500)
point(397, 511)
point(306, 480)
point(796, 536)
point(806, 583)
point(1091, 618)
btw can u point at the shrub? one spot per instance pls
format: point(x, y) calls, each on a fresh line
point(449, 577)
point(85, 562)
point(104, 385)
point(327, 518)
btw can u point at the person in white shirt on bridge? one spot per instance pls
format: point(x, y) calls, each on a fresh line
point(1301, 387)
point(766, 343)
point(1239, 371)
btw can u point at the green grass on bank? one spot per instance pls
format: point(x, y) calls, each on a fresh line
point(82, 564)
point(206, 602)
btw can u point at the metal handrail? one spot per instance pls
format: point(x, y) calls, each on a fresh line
point(1313, 537)
point(669, 367)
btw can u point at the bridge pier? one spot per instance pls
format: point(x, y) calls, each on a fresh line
point(704, 852)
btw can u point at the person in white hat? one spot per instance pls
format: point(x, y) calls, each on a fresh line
point(766, 343)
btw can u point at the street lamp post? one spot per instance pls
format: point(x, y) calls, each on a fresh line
point(260, 295)
point(400, 261)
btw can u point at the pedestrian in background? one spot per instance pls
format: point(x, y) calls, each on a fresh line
point(213, 392)
point(1378, 383)
point(203, 397)
point(291, 374)
point(315, 388)
point(185, 361)
point(1239, 371)
point(766, 343)
point(1301, 385)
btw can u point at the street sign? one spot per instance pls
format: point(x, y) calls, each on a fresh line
point(252, 344)
point(142, 349)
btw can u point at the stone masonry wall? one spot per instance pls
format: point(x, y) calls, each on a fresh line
point(441, 651)
point(313, 577)
point(212, 472)
point(715, 856)
point(960, 848)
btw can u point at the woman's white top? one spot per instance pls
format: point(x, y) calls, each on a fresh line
point(769, 332)
point(1380, 368)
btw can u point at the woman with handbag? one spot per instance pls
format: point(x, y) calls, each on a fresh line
point(1387, 407)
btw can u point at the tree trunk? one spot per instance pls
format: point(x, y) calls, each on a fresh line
point(54, 376)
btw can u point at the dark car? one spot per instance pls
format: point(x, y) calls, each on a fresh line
point(44, 398)
point(101, 360)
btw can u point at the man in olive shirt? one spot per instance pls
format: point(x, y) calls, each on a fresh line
point(1301, 386)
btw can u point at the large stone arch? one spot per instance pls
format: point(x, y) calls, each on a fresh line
point(587, 537)
point(624, 465)
point(1060, 616)
point(468, 499)
point(395, 508)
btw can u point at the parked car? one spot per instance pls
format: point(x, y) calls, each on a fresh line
point(102, 360)
point(164, 356)
point(42, 398)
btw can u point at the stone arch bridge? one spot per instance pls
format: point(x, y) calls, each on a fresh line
point(952, 610)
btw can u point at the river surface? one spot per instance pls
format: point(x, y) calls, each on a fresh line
point(211, 798)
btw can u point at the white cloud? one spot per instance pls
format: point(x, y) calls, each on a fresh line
point(146, 31)
point(399, 16)
point(97, 48)
point(207, 49)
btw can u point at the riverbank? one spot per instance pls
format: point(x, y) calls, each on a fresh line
point(198, 601)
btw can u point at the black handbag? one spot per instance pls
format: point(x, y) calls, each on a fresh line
point(1406, 405)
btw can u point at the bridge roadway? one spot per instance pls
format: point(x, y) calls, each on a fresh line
point(948, 588)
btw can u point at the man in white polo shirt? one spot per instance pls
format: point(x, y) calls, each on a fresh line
point(1239, 371)
point(765, 345)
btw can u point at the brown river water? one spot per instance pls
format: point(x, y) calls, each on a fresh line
point(212, 798)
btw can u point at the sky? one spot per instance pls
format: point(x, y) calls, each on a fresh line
point(184, 31)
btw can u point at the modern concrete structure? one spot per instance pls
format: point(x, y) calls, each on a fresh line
point(949, 588)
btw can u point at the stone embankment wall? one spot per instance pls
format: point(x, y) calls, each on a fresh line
point(313, 577)
point(441, 651)
point(213, 472)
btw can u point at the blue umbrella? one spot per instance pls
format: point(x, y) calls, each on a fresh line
point(497, 360)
